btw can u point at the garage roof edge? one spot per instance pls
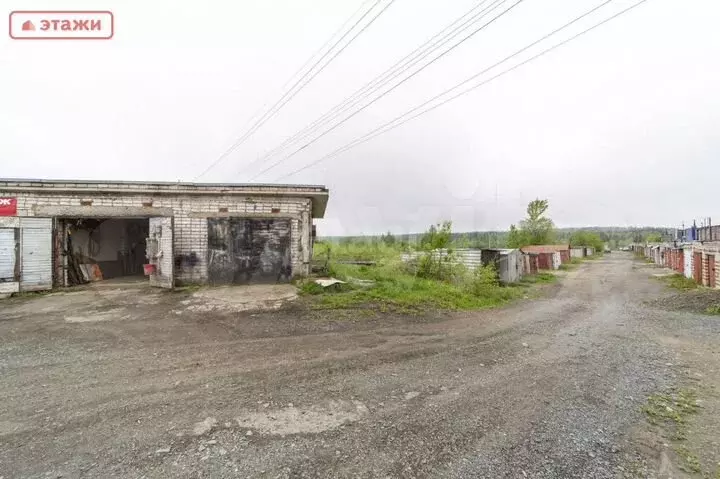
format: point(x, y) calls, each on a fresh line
point(318, 194)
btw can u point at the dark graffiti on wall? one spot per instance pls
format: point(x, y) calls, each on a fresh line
point(244, 250)
point(186, 260)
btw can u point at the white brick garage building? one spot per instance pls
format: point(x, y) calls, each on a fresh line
point(62, 232)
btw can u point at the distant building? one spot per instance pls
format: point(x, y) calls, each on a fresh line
point(508, 262)
point(549, 256)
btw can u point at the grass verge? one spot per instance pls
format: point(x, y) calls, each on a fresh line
point(392, 289)
point(389, 286)
point(540, 278)
point(423, 282)
point(678, 281)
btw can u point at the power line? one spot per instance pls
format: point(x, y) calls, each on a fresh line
point(336, 125)
point(284, 98)
point(373, 85)
point(297, 86)
point(310, 58)
point(389, 125)
point(329, 40)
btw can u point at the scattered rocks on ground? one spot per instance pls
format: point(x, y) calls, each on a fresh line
point(204, 426)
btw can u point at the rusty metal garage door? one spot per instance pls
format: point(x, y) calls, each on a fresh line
point(245, 250)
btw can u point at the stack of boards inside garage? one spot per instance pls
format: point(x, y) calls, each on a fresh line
point(103, 248)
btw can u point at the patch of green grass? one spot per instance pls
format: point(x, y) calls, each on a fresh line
point(540, 278)
point(410, 294)
point(715, 310)
point(310, 287)
point(568, 267)
point(391, 286)
point(415, 286)
point(690, 462)
point(188, 288)
point(675, 409)
point(672, 408)
point(678, 281)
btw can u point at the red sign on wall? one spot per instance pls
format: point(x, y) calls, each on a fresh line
point(8, 206)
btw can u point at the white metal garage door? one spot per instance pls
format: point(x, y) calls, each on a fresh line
point(36, 254)
point(688, 259)
point(8, 260)
point(7, 254)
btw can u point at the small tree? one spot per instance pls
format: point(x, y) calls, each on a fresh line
point(437, 261)
point(437, 237)
point(534, 229)
point(517, 238)
point(538, 228)
point(587, 238)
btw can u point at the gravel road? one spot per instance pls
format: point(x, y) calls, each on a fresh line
point(546, 388)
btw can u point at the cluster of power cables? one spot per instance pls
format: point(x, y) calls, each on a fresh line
point(479, 17)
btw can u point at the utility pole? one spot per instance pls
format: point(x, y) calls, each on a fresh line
point(710, 227)
point(496, 208)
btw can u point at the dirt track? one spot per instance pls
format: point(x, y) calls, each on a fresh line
point(550, 388)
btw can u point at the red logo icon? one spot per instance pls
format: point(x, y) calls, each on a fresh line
point(61, 25)
point(8, 206)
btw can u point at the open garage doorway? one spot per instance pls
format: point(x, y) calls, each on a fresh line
point(92, 249)
point(96, 249)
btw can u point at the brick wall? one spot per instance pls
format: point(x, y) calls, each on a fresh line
point(190, 212)
point(709, 250)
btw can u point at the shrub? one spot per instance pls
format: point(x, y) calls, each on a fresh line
point(440, 267)
point(482, 280)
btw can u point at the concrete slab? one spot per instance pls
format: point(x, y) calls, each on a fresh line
point(240, 298)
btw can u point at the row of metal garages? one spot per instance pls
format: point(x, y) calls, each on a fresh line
point(697, 261)
point(539, 257)
point(513, 264)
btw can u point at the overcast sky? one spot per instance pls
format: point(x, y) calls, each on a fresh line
point(620, 127)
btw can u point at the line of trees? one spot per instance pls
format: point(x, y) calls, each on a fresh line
point(535, 228)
